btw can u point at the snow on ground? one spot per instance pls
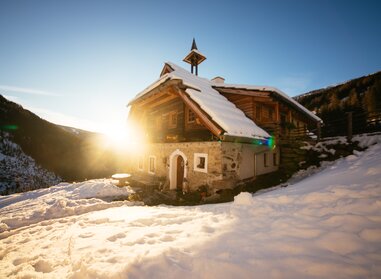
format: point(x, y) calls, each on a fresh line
point(58, 201)
point(325, 226)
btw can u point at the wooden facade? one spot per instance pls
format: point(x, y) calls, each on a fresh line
point(172, 120)
point(270, 112)
point(169, 115)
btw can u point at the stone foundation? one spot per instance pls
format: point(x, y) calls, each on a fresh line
point(227, 163)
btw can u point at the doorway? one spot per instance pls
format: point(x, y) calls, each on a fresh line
point(179, 173)
point(177, 170)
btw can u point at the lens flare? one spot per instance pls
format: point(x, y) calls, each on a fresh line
point(126, 139)
point(9, 127)
point(270, 142)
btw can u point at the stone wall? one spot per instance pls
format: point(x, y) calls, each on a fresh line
point(163, 151)
point(239, 160)
point(228, 163)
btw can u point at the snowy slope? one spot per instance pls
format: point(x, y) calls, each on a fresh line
point(18, 171)
point(325, 226)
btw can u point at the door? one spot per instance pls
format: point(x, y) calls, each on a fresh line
point(180, 172)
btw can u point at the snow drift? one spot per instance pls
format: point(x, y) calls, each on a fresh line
point(327, 225)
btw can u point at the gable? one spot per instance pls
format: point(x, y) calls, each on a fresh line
point(265, 91)
point(218, 113)
point(167, 91)
point(166, 70)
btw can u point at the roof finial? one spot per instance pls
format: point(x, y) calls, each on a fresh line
point(194, 46)
point(194, 57)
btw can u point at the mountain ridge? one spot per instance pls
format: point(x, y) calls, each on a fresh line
point(72, 156)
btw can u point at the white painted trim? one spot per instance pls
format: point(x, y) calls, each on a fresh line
point(173, 166)
point(195, 161)
point(149, 164)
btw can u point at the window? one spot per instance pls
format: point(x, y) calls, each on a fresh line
point(275, 163)
point(191, 116)
point(258, 112)
point(200, 162)
point(172, 120)
point(152, 164)
point(271, 113)
point(265, 159)
point(159, 122)
point(141, 163)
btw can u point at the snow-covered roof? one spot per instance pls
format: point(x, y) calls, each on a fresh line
point(268, 89)
point(220, 109)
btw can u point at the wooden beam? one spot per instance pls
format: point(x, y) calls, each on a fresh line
point(160, 101)
point(246, 92)
point(277, 112)
point(160, 89)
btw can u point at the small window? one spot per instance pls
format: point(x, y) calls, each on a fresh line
point(141, 163)
point(152, 164)
point(265, 163)
point(172, 120)
point(258, 112)
point(275, 163)
point(271, 113)
point(159, 122)
point(165, 120)
point(201, 162)
point(191, 116)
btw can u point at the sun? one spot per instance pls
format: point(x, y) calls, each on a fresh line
point(124, 137)
point(117, 135)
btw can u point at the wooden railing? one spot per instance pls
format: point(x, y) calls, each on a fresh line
point(353, 123)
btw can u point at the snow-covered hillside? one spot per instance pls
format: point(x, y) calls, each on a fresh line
point(19, 172)
point(327, 225)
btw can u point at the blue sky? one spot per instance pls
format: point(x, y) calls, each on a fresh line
point(80, 62)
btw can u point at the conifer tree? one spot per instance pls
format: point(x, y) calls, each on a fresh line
point(353, 100)
point(369, 101)
point(334, 102)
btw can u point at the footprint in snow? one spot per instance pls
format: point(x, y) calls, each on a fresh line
point(207, 229)
point(116, 237)
point(43, 266)
point(167, 238)
point(86, 235)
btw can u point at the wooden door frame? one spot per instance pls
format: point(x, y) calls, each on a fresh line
point(173, 168)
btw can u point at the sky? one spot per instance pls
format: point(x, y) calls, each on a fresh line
point(78, 63)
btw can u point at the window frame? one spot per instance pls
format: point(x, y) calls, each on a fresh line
point(151, 157)
point(271, 113)
point(189, 114)
point(171, 123)
point(196, 162)
point(258, 112)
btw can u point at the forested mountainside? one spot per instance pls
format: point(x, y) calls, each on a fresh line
point(70, 155)
point(18, 171)
point(361, 96)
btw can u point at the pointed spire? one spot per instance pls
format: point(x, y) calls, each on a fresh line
point(194, 46)
point(194, 57)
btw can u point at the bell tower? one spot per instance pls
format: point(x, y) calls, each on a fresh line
point(194, 57)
